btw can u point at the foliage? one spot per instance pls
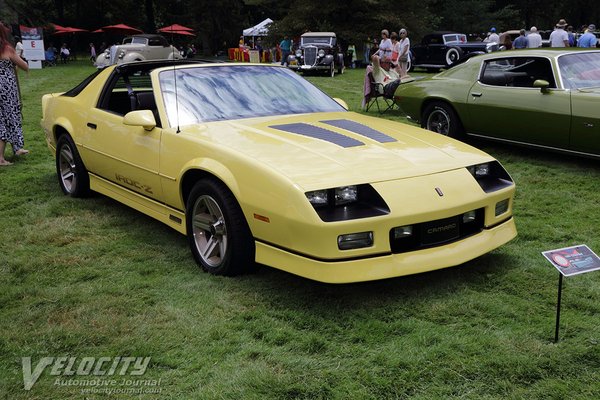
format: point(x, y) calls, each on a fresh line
point(353, 21)
point(476, 16)
point(219, 25)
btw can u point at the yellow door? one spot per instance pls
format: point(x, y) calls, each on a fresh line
point(126, 155)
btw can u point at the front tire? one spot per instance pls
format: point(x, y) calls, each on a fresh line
point(218, 234)
point(73, 178)
point(441, 118)
point(331, 69)
point(341, 65)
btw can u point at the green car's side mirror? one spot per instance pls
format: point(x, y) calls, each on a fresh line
point(542, 84)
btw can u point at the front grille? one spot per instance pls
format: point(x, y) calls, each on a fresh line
point(436, 233)
point(310, 55)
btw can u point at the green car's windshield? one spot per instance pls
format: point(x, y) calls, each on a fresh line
point(219, 93)
point(580, 70)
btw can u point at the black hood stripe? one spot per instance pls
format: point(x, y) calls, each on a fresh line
point(319, 133)
point(361, 129)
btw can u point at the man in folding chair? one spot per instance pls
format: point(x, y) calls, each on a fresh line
point(381, 81)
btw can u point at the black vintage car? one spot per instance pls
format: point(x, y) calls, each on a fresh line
point(443, 49)
point(318, 51)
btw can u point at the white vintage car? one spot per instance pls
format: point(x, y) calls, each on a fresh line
point(138, 48)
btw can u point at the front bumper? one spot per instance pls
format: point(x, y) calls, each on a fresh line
point(388, 265)
point(304, 67)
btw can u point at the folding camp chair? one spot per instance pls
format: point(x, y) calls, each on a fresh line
point(50, 58)
point(386, 93)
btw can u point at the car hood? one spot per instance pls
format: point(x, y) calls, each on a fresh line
point(331, 149)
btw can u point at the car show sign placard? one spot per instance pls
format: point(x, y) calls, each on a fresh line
point(570, 261)
point(573, 260)
point(33, 45)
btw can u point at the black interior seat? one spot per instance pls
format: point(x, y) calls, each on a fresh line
point(146, 101)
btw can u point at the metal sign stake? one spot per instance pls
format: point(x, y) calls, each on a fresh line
point(560, 282)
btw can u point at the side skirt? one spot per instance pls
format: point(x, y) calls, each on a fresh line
point(536, 146)
point(165, 214)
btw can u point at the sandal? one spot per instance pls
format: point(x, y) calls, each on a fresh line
point(21, 152)
point(4, 163)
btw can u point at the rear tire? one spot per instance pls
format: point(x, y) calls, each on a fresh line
point(453, 55)
point(441, 118)
point(218, 234)
point(73, 178)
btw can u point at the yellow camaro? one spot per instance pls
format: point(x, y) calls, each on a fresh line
point(256, 165)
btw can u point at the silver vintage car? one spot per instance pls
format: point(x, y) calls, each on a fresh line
point(318, 51)
point(138, 48)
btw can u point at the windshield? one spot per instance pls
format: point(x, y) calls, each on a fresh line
point(580, 70)
point(318, 40)
point(219, 93)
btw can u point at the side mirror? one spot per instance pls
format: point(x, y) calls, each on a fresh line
point(143, 118)
point(542, 84)
point(341, 103)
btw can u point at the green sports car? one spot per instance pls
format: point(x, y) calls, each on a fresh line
point(546, 98)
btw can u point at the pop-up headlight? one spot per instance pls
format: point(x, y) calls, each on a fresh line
point(318, 197)
point(345, 195)
point(491, 176)
point(347, 202)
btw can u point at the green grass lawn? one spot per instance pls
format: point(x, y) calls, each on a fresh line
point(93, 278)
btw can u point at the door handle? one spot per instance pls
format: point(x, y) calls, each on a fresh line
point(90, 125)
point(476, 94)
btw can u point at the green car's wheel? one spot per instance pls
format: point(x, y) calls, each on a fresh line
point(441, 118)
point(72, 175)
point(218, 233)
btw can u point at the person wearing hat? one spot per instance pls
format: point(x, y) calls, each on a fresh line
point(492, 36)
point(588, 39)
point(534, 39)
point(559, 37)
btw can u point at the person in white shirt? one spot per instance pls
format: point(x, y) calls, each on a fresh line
point(404, 52)
point(534, 38)
point(19, 47)
point(492, 37)
point(385, 47)
point(559, 37)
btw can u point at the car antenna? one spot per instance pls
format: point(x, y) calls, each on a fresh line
point(175, 81)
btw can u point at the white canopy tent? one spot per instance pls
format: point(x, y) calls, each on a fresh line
point(260, 29)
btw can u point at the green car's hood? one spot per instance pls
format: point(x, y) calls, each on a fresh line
point(387, 151)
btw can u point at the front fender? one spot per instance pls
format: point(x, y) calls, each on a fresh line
point(129, 57)
point(211, 167)
point(174, 54)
